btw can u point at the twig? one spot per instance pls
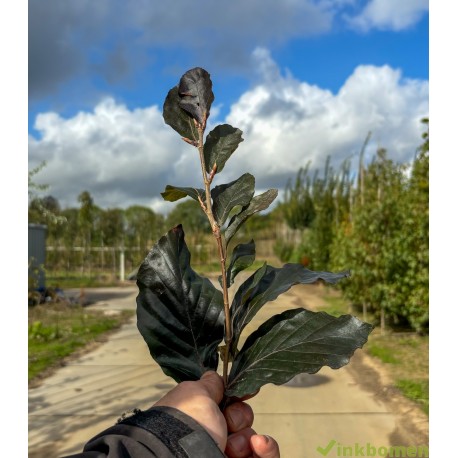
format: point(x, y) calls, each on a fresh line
point(221, 250)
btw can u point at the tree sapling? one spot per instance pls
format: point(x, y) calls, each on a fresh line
point(184, 318)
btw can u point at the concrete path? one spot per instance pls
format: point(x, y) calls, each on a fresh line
point(90, 393)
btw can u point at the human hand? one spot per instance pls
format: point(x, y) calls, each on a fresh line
point(231, 429)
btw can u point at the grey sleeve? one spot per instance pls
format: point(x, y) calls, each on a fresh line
point(159, 432)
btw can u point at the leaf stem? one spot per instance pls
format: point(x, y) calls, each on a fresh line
point(207, 207)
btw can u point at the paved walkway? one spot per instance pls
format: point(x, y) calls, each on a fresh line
point(89, 394)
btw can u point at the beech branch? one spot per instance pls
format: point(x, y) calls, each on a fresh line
point(207, 207)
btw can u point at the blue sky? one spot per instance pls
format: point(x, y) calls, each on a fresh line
point(302, 79)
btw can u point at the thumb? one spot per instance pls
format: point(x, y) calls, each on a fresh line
point(213, 383)
point(264, 446)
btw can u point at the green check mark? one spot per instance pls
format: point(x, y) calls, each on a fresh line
point(327, 449)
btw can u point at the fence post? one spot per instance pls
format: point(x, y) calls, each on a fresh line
point(121, 265)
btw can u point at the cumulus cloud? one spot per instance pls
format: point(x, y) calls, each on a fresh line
point(287, 122)
point(121, 156)
point(389, 14)
point(127, 156)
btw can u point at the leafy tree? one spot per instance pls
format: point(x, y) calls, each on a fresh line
point(322, 233)
point(412, 282)
point(261, 225)
point(142, 226)
point(87, 209)
point(70, 237)
point(377, 227)
point(385, 241)
point(299, 208)
point(111, 226)
point(46, 211)
point(86, 217)
point(34, 188)
point(316, 205)
point(42, 210)
point(189, 215)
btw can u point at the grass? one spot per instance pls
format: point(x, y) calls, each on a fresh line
point(404, 355)
point(382, 353)
point(417, 391)
point(336, 305)
point(407, 359)
point(58, 330)
point(65, 280)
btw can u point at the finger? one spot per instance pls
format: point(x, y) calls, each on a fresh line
point(238, 416)
point(264, 446)
point(238, 444)
point(213, 383)
point(244, 398)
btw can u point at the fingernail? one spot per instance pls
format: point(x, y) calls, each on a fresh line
point(266, 438)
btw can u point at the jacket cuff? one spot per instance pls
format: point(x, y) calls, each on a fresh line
point(180, 433)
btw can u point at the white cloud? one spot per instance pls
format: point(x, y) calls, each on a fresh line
point(389, 14)
point(287, 122)
point(126, 157)
point(121, 156)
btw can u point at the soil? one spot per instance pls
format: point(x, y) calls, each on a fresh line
point(412, 424)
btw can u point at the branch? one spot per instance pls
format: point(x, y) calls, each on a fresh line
point(221, 250)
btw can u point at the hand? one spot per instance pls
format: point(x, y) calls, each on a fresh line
point(200, 401)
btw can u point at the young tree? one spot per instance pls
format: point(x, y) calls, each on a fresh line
point(111, 227)
point(385, 243)
point(70, 237)
point(411, 285)
point(142, 227)
point(189, 214)
point(298, 208)
point(317, 206)
point(184, 318)
point(86, 217)
point(42, 210)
